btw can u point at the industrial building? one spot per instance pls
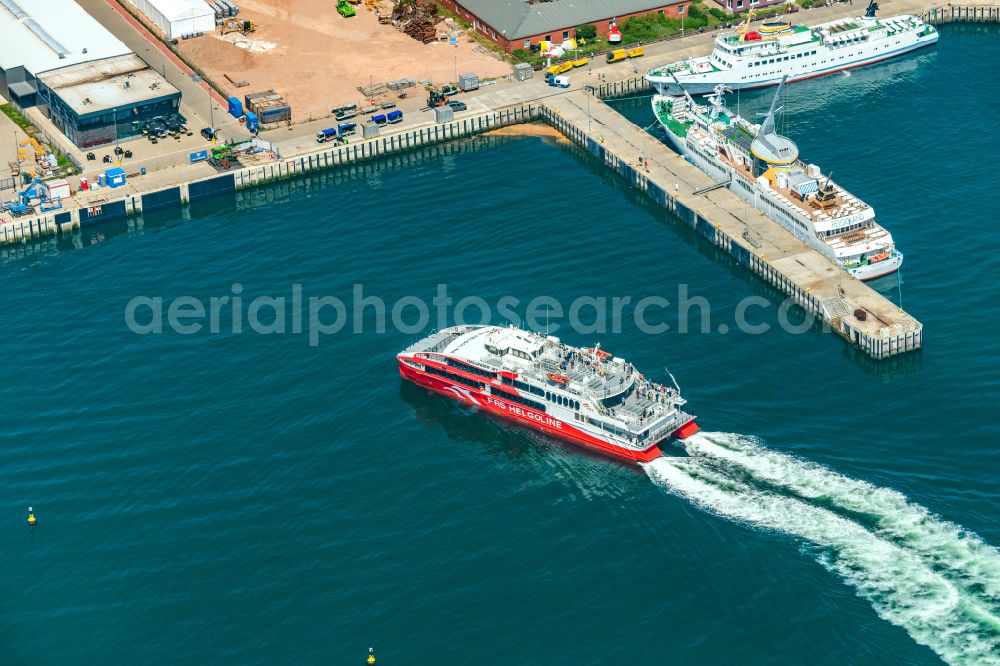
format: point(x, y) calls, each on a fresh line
point(58, 58)
point(520, 24)
point(176, 18)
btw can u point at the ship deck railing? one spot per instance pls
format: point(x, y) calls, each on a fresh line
point(433, 343)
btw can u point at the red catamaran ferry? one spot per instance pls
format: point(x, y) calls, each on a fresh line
point(585, 396)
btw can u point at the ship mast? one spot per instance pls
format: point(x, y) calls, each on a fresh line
point(742, 30)
point(767, 127)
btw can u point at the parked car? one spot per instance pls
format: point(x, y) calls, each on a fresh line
point(174, 124)
point(157, 128)
point(457, 106)
point(208, 133)
point(448, 91)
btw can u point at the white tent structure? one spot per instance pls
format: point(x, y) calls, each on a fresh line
point(178, 17)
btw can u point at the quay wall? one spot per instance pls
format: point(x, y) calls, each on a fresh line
point(324, 156)
point(963, 13)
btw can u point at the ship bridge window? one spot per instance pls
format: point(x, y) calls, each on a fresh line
point(496, 351)
point(471, 369)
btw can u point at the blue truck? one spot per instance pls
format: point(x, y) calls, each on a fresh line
point(326, 135)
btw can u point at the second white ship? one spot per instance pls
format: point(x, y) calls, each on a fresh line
point(756, 58)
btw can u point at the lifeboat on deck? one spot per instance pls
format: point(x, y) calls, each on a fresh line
point(774, 27)
point(875, 258)
point(558, 379)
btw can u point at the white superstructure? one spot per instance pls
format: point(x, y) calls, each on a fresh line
point(763, 168)
point(776, 49)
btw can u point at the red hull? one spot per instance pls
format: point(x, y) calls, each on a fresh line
point(495, 404)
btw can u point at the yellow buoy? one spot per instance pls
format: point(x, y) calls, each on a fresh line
point(371, 655)
point(31, 517)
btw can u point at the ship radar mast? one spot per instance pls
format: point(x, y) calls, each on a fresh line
point(715, 99)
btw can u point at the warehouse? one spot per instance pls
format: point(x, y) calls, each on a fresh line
point(176, 18)
point(518, 24)
point(79, 75)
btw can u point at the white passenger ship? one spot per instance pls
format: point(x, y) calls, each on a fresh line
point(584, 396)
point(756, 58)
point(764, 169)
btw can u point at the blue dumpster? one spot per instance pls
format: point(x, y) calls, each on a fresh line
point(115, 177)
point(235, 107)
point(253, 125)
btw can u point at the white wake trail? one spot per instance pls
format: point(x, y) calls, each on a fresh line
point(959, 554)
point(901, 587)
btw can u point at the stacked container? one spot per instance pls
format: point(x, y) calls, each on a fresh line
point(269, 107)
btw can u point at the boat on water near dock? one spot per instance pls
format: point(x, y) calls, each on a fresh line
point(763, 168)
point(584, 396)
point(777, 49)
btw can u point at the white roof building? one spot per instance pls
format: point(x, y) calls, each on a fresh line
point(175, 18)
point(42, 36)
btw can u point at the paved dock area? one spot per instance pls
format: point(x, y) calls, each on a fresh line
point(771, 251)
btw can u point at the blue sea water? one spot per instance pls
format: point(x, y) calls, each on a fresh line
point(235, 497)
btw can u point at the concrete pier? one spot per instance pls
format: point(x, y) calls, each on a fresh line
point(983, 12)
point(822, 288)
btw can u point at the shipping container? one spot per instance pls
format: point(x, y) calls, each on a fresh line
point(523, 71)
point(253, 124)
point(57, 189)
point(395, 116)
point(369, 131)
point(444, 114)
point(115, 177)
point(235, 107)
point(380, 120)
point(469, 81)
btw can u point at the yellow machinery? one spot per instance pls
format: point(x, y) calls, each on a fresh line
point(33, 142)
point(236, 25)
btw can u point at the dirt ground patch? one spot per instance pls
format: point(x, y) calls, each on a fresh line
point(316, 58)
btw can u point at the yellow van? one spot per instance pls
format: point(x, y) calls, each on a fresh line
point(637, 52)
point(616, 55)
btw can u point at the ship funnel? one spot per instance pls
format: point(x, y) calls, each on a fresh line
point(872, 8)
